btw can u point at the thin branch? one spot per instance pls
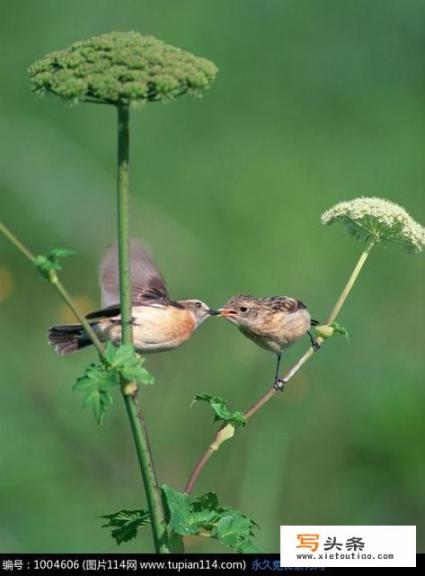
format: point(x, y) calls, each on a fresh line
point(198, 469)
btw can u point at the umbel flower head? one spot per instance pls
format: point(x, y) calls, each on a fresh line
point(378, 220)
point(121, 68)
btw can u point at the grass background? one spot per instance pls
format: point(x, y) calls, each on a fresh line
point(315, 102)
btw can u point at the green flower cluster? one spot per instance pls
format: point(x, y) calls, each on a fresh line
point(379, 220)
point(121, 68)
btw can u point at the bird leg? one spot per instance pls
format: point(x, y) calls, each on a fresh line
point(314, 343)
point(278, 382)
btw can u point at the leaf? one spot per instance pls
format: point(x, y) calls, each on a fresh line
point(46, 264)
point(231, 527)
point(208, 501)
point(61, 252)
point(128, 363)
point(96, 383)
point(125, 523)
point(247, 546)
point(178, 508)
point(204, 515)
point(235, 530)
point(221, 412)
point(205, 511)
point(340, 330)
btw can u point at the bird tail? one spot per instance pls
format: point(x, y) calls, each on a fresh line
point(68, 338)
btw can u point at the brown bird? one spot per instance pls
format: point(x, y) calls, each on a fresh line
point(274, 323)
point(159, 323)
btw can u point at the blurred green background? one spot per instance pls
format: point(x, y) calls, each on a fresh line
point(316, 102)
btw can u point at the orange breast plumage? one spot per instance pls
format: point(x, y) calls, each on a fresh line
point(157, 328)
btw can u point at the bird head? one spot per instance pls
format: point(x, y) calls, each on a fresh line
point(199, 309)
point(241, 310)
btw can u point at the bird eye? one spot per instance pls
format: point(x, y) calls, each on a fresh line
point(243, 308)
point(198, 304)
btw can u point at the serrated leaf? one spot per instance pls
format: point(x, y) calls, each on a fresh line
point(207, 501)
point(221, 412)
point(235, 530)
point(96, 383)
point(227, 531)
point(91, 398)
point(178, 508)
point(125, 524)
point(84, 384)
point(204, 515)
point(128, 363)
point(123, 354)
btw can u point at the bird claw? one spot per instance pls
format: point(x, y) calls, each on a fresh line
point(279, 384)
point(314, 343)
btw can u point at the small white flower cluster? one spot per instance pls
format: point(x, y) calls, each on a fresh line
point(380, 220)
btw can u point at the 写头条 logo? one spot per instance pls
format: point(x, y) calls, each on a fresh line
point(327, 546)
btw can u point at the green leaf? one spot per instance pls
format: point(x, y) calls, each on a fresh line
point(125, 523)
point(235, 530)
point(221, 412)
point(125, 360)
point(247, 546)
point(232, 527)
point(207, 501)
point(178, 508)
point(204, 515)
point(46, 264)
point(340, 330)
point(61, 252)
point(96, 383)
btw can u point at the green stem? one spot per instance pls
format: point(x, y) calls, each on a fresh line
point(123, 226)
point(350, 283)
point(140, 436)
point(21, 247)
point(290, 373)
point(54, 280)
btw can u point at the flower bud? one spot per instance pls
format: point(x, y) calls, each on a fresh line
point(222, 435)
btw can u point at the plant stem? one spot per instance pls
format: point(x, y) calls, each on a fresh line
point(350, 283)
point(291, 371)
point(123, 235)
point(54, 280)
point(140, 436)
point(21, 247)
point(198, 469)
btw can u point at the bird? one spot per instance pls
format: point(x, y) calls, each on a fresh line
point(273, 323)
point(159, 323)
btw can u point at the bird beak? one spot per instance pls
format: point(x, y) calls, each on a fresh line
point(213, 312)
point(226, 312)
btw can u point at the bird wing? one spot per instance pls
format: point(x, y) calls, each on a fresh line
point(147, 282)
point(108, 312)
point(283, 303)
